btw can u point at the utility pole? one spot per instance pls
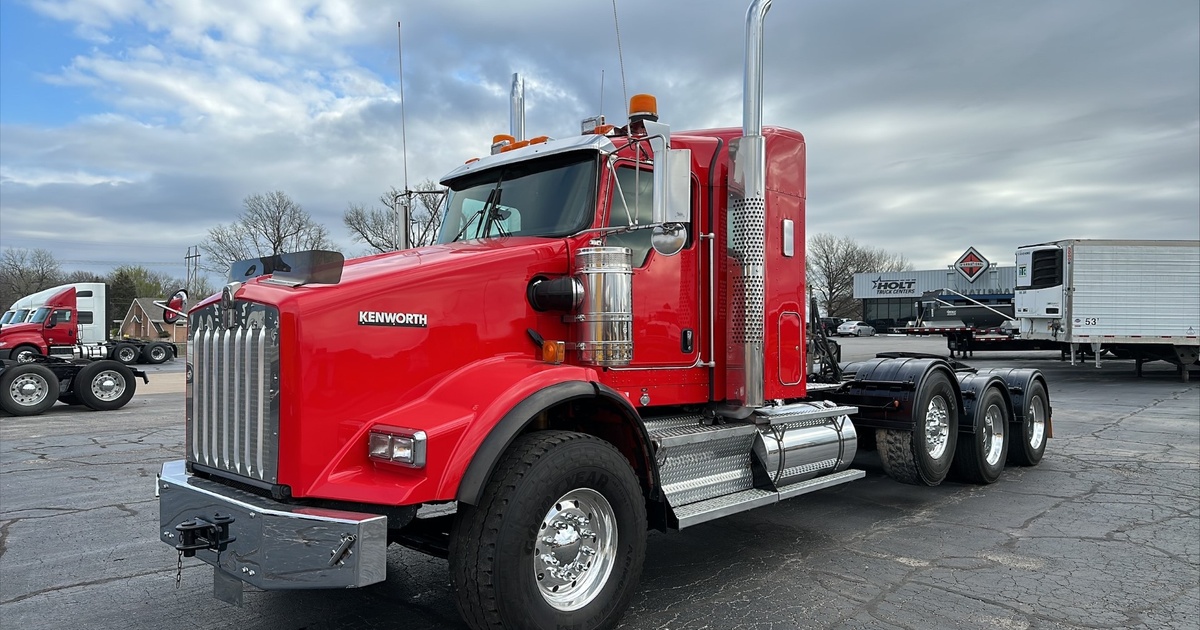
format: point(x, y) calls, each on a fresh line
point(191, 262)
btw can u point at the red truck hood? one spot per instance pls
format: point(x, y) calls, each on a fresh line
point(24, 328)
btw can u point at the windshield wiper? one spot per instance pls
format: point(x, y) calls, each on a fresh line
point(492, 199)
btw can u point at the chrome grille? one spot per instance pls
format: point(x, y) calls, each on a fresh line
point(233, 398)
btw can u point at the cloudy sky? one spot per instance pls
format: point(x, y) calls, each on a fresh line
point(129, 128)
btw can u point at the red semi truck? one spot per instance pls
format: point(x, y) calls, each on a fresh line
point(71, 320)
point(609, 337)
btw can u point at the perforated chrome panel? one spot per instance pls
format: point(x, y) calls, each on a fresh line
point(747, 246)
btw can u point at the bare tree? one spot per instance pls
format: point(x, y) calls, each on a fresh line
point(270, 224)
point(23, 272)
point(377, 226)
point(831, 263)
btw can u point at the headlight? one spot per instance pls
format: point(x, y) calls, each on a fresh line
point(396, 445)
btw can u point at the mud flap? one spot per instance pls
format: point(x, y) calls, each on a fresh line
point(227, 588)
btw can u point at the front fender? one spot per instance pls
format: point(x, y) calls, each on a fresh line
point(22, 338)
point(457, 414)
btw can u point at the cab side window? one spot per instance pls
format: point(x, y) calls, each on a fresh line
point(62, 316)
point(632, 203)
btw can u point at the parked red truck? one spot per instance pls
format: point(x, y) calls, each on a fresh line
point(52, 354)
point(71, 320)
point(609, 337)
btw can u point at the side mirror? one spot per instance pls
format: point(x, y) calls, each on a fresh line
point(174, 308)
point(52, 320)
point(672, 190)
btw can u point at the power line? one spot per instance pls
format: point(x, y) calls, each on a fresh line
point(120, 262)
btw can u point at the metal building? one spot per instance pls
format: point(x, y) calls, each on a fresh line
point(892, 299)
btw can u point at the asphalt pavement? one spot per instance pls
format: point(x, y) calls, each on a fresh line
point(1105, 533)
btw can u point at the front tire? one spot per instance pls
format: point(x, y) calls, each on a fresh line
point(1032, 430)
point(980, 456)
point(25, 354)
point(922, 456)
point(557, 540)
point(28, 389)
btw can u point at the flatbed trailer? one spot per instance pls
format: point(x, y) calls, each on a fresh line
point(964, 341)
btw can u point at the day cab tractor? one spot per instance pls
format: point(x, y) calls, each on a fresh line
point(608, 337)
point(70, 320)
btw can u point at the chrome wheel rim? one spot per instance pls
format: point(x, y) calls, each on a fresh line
point(126, 355)
point(1035, 425)
point(28, 390)
point(108, 385)
point(575, 549)
point(25, 356)
point(993, 434)
point(158, 354)
point(937, 427)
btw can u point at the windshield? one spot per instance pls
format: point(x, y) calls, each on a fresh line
point(19, 316)
point(40, 315)
point(8, 315)
point(555, 196)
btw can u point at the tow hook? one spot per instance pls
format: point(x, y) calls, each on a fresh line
point(199, 533)
point(337, 555)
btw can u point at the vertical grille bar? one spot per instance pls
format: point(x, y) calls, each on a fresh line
point(235, 422)
point(260, 390)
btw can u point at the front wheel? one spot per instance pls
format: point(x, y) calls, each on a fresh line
point(25, 354)
point(557, 540)
point(1033, 429)
point(923, 456)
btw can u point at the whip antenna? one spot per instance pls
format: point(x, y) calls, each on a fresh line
point(402, 231)
point(620, 57)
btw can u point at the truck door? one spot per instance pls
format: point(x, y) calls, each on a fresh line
point(60, 328)
point(666, 292)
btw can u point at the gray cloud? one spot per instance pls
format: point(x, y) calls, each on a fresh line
point(932, 125)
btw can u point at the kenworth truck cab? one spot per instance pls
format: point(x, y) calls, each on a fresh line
point(608, 337)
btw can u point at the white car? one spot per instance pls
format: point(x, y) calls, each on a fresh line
point(855, 329)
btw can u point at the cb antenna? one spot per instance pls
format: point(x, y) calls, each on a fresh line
point(620, 57)
point(402, 231)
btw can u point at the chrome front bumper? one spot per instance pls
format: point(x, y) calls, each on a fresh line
point(274, 545)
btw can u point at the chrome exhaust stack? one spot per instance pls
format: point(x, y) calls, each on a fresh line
point(746, 230)
point(516, 108)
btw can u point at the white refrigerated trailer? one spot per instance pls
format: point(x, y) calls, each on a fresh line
point(1135, 299)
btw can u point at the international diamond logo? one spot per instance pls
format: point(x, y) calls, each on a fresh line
point(971, 264)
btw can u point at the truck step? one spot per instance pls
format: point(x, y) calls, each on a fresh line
point(698, 462)
point(800, 413)
point(710, 509)
point(695, 433)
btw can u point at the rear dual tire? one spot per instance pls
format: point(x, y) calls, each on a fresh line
point(980, 455)
point(126, 353)
point(156, 353)
point(104, 385)
point(923, 456)
point(28, 389)
point(1030, 433)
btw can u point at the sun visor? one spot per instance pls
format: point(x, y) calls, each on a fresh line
point(316, 266)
